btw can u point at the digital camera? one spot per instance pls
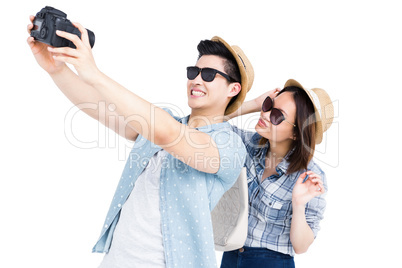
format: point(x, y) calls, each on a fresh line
point(48, 20)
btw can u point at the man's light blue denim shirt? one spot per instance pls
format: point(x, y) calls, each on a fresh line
point(187, 196)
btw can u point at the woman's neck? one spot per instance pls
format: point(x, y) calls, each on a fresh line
point(274, 156)
point(277, 151)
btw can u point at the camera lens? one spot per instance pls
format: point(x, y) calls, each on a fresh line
point(43, 32)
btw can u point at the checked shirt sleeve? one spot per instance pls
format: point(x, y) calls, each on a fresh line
point(315, 209)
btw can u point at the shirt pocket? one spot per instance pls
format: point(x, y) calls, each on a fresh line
point(273, 210)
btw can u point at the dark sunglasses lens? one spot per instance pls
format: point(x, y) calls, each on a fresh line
point(192, 72)
point(276, 117)
point(208, 74)
point(267, 105)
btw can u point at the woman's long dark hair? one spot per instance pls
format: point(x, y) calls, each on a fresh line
point(302, 148)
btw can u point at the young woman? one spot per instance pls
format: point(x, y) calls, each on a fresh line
point(286, 186)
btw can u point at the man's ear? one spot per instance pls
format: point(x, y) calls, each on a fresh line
point(235, 89)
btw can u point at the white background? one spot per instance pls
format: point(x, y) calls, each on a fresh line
point(54, 194)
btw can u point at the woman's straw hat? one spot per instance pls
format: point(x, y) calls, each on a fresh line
point(324, 110)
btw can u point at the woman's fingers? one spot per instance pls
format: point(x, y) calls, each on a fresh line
point(302, 176)
point(321, 188)
point(319, 185)
point(316, 181)
point(312, 175)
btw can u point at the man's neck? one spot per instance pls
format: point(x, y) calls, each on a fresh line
point(204, 119)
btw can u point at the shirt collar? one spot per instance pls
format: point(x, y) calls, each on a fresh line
point(260, 156)
point(184, 120)
point(207, 128)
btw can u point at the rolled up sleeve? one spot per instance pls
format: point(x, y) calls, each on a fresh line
point(232, 155)
point(315, 209)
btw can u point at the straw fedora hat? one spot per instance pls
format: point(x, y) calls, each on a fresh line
point(323, 107)
point(246, 73)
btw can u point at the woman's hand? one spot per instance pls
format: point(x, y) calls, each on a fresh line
point(253, 106)
point(81, 57)
point(272, 93)
point(303, 192)
point(42, 55)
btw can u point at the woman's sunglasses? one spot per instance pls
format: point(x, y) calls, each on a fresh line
point(276, 117)
point(207, 74)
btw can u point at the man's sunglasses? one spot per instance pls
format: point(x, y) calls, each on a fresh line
point(207, 74)
point(276, 117)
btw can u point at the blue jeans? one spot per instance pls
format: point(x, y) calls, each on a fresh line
point(247, 257)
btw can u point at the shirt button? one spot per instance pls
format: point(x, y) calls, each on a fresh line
point(241, 250)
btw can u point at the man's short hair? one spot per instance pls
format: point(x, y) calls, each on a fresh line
point(208, 47)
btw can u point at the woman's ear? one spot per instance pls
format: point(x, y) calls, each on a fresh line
point(235, 89)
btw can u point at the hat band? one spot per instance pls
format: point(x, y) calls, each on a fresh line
point(316, 102)
point(242, 61)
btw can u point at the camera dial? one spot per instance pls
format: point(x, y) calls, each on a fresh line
point(43, 32)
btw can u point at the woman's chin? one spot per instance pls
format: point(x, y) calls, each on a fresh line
point(264, 132)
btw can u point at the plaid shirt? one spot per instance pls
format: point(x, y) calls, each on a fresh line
point(270, 201)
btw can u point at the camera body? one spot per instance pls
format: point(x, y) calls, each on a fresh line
point(48, 20)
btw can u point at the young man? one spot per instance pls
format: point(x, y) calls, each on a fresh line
point(178, 168)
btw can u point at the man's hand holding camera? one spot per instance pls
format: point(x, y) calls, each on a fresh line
point(54, 41)
point(81, 57)
point(42, 55)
